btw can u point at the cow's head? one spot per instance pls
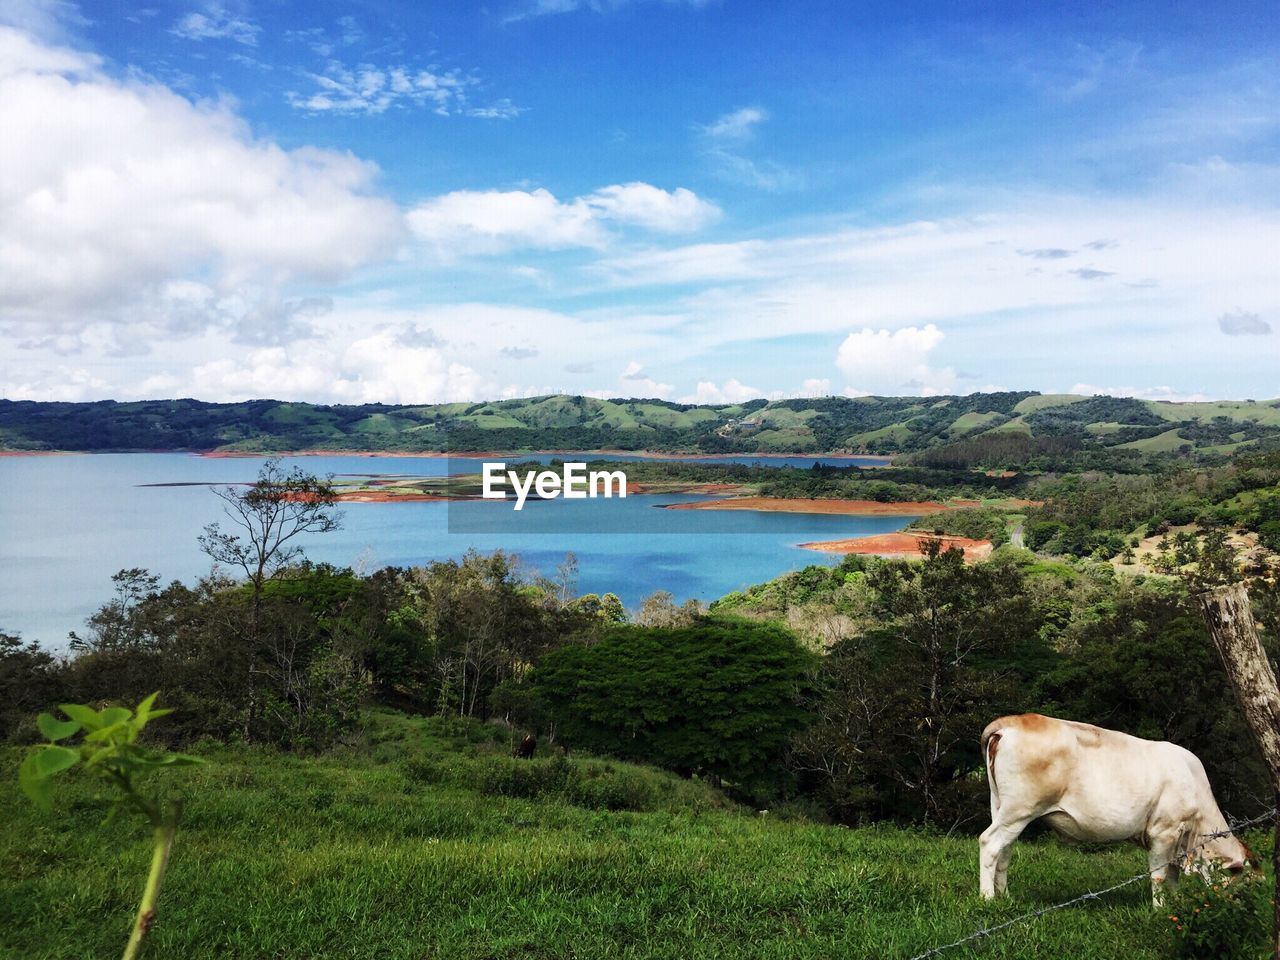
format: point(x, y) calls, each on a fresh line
point(1226, 853)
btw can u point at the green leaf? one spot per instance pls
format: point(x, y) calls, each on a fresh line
point(34, 786)
point(54, 728)
point(38, 766)
point(105, 733)
point(50, 759)
point(143, 712)
point(114, 715)
point(85, 716)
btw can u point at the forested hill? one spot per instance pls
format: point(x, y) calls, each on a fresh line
point(948, 431)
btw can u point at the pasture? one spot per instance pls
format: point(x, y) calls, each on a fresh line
point(423, 839)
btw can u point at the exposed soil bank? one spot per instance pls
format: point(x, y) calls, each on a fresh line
point(853, 508)
point(901, 545)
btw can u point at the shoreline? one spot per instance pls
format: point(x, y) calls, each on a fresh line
point(902, 544)
point(875, 460)
point(853, 508)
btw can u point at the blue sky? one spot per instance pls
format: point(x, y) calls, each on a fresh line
point(704, 200)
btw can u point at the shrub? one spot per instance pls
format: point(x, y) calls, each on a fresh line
point(1222, 918)
point(720, 697)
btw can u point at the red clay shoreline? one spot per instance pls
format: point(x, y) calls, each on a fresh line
point(901, 544)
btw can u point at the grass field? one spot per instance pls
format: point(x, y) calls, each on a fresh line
point(411, 845)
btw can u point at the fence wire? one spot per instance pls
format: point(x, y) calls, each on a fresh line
point(984, 932)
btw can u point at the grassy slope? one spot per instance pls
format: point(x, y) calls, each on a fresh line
point(879, 424)
point(390, 851)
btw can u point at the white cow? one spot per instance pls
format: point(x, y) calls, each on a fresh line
point(1100, 786)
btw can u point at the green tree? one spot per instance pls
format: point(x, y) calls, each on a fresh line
point(266, 518)
point(29, 680)
point(719, 697)
point(897, 707)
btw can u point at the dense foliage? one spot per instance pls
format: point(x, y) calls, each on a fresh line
point(719, 698)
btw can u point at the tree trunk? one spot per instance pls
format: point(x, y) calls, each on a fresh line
point(1229, 617)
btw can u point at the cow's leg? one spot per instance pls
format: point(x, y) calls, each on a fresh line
point(994, 847)
point(1160, 861)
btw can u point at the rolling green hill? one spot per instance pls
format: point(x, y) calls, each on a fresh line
point(880, 425)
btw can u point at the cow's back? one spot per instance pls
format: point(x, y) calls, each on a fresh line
point(1088, 782)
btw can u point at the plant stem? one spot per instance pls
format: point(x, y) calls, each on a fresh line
point(164, 833)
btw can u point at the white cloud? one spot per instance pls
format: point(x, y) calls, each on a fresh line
point(114, 194)
point(636, 383)
point(217, 23)
point(369, 89)
point(379, 368)
point(652, 208)
point(66, 384)
point(815, 387)
point(724, 141)
point(894, 361)
point(47, 20)
point(732, 391)
point(502, 109)
point(1139, 393)
point(490, 221)
point(738, 125)
point(529, 9)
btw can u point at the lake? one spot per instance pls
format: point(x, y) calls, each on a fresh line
point(67, 523)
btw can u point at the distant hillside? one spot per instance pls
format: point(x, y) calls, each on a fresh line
point(979, 429)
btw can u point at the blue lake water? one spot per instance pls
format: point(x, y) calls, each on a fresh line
point(68, 523)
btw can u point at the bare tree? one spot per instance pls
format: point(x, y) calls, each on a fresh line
point(267, 518)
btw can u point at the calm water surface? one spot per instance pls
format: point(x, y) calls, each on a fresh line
point(68, 523)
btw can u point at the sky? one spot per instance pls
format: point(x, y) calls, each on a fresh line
point(696, 200)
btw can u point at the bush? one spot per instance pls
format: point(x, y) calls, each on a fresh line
point(720, 697)
point(1222, 918)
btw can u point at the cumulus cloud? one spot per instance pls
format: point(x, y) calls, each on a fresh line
point(1139, 393)
point(65, 384)
point(215, 22)
point(890, 361)
point(731, 391)
point(115, 196)
point(490, 221)
point(1242, 323)
point(379, 368)
point(815, 387)
point(637, 383)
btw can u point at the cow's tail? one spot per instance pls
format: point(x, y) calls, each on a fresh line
point(990, 744)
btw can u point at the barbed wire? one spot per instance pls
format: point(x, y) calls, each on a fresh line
point(983, 932)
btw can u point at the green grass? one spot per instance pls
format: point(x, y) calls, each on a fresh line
point(1241, 411)
point(970, 422)
point(1165, 442)
point(408, 847)
point(1046, 400)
